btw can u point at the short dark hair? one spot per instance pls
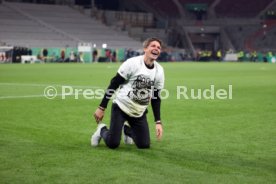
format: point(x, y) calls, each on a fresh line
point(149, 40)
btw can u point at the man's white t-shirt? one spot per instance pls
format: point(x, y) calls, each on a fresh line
point(134, 96)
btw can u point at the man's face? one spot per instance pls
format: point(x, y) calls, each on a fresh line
point(153, 50)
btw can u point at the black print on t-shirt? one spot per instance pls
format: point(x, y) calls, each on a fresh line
point(141, 90)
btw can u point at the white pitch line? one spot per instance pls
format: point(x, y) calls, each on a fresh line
point(45, 85)
point(23, 96)
point(33, 96)
point(41, 85)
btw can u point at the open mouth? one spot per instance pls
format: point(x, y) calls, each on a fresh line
point(155, 53)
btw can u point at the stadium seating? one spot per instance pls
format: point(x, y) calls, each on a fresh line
point(238, 34)
point(41, 25)
point(55, 26)
point(164, 8)
point(234, 8)
point(17, 29)
point(241, 8)
point(237, 18)
point(263, 38)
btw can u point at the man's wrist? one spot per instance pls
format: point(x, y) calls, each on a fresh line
point(102, 108)
point(158, 122)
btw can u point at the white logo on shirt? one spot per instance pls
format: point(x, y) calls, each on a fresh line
point(141, 92)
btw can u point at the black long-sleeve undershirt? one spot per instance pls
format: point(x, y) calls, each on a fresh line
point(119, 80)
point(156, 104)
point(114, 84)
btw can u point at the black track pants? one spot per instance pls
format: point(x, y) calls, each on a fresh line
point(139, 130)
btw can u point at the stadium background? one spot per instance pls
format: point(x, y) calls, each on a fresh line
point(201, 30)
point(205, 141)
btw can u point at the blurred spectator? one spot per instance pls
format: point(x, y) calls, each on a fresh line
point(219, 55)
point(108, 55)
point(253, 56)
point(94, 55)
point(2, 56)
point(45, 54)
point(80, 58)
point(72, 57)
point(241, 56)
point(114, 56)
point(30, 52)
point(62, 55)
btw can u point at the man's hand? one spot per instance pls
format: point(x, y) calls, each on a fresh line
point(159, 131)
point(99, 114)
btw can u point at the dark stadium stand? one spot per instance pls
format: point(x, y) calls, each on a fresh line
point(208, 2)
point(164, 8)
point(260, 38)
point(187, 26)
point(40, 25)
point(241, 8)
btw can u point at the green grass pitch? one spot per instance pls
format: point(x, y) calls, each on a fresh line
point(205, 141)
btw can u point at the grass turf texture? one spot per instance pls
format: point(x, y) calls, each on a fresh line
point(205, 141)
